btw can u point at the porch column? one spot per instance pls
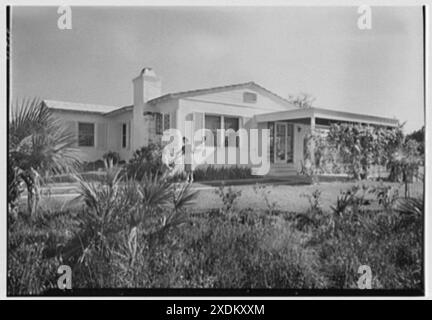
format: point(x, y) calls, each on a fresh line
point(312, 144)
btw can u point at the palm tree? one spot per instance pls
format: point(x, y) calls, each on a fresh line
point(39, 145)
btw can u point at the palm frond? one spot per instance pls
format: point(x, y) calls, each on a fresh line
point(410, 206)
point(40, 141)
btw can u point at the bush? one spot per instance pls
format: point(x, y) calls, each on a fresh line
point(143, 234)
point(222, 173)
point(148, 159)
point(112, 156)
point(353, 148)
point(388, 241)
point(92, 165)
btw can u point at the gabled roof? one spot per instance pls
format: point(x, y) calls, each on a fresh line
point(80, 107)
point(198, 92)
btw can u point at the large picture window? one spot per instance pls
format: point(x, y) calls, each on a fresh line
point(214, 123)
point(86, 134)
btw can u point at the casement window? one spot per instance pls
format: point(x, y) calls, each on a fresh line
point(86, 134)
point(124, 135)
point(162, 122)
point(250, 97)
point(214, 123)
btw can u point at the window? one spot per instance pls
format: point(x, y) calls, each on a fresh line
point(249, 97)
point(162, 122)
point(166, 121)
point(159, 128)
point(86, 135)
point(233, 124)
point(213, 123)
point(124, 135)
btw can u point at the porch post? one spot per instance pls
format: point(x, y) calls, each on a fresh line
point(312, 144)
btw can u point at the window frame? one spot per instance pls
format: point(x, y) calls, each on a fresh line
point(222, 117)
point(93, 136)
point(160, 126)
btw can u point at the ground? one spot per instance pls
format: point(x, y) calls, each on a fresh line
point(286, 197)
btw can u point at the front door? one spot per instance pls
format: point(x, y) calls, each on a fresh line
point(283, 142)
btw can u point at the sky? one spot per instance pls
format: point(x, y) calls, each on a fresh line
point(288, 50)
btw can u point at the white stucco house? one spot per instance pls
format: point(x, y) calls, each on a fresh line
point(123, 129)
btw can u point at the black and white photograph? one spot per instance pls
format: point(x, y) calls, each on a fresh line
point(215, 150)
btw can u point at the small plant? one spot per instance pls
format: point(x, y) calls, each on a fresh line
point(112, 156)
point(264, 191)
point(386, 196)
point(228, 196)
point(353, 199)
point(314, 201)
point(410, 206)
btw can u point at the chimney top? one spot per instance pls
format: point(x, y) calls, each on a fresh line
point(148, 72)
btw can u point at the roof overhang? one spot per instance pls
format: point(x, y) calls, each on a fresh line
point(328, 114)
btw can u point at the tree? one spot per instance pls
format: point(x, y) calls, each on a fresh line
point(404, 163)
point(419, 136)
point(302, 100)
point(39, 145)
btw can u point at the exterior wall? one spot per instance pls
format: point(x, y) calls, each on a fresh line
point(225, 104)
point(107, 132)
point(235, 98)
point(115, 133)
point(71, 120)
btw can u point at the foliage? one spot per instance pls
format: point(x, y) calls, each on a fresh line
point(143, 234)
point(352, 199)
point(419, 136)
point(228, 197)
point(112, 156)
point(146, 160)
point(302, 100)
point(404, 163)
point(222, 173)
point(388, 241)
point(264, 191)
point(386, 196)
point(352, 148)
point(39, 144)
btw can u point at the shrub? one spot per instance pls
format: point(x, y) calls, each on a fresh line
point(404, 163)
point(222, 173)
point(228, 197)
point(112, 156)
point(148, 159)
point(264, 191)
point(389, 242)
point(353, 148)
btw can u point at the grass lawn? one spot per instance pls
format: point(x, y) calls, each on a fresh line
point(285, 197)
point(289, 198)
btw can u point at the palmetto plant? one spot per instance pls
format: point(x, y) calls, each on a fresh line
point(120, 215)
point(39, 145)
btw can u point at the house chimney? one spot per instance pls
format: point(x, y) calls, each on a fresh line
point(146, 86)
